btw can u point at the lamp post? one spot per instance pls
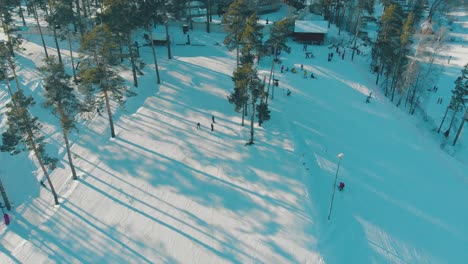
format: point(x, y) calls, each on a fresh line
point(340, 156)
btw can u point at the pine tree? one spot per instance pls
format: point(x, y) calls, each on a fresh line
point(61, 98)
point(239, 96)
point(25, 129)
point(387, 40)
point(6, 201)
point(247, 84)
point(460, 128)
point(34, 5)
point(99, 80)
point(403, 50)
point(78, 19)
point(150, 12)
point(62, 16)
point(255, 87)
point(6, 7)
point(53, 23)
point(122, 17)
point(263, 113)
point(459, 96)
point(253, 36)
point(277, 41)
point(235, 21)
point(7, 67)
point(4, 66)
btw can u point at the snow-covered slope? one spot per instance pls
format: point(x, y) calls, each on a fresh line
point(163, 191)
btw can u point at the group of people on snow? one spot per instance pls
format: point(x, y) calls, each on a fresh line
point(212, 123)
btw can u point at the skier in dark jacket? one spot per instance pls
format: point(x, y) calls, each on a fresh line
point(341, 186)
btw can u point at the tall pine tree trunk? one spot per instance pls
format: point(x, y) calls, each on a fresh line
point(132, 61)
point(252, 119)
point(44, 170)
point(78, 17)
point(71, 56)
point(243, 113)
point(108, 108)
point(15, 76)
point(150, 30)
point(237, 54)
point(69, 156)
point(271, 73)
point(168, 40)
point(21, 14)
point(6, 31)
point(63, 118)
point(358, 27)
point(10, 92)
point(57, 45)
point(40, 31)
point(5, 197)
point(396, 75)
point(452, 119)
point(460, 128)
point(75, 29)
point(30, 140)
point(85, 8)
point(443, 119)
point(380, 71)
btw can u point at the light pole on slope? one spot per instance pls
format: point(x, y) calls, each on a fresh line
point(340, 156)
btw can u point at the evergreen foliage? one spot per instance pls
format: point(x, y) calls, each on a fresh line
point(61, 98)
point(99, 81)
point(235, 21)
point(460, 92)
point(279, 36)
point(24, 130)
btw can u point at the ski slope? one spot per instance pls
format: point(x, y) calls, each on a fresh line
point(163, 191)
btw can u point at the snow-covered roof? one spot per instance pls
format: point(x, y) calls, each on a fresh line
point(308, 26)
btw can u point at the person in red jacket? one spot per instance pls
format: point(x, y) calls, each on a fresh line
point(341, 186)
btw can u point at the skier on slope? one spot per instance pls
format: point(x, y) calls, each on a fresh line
point(341, 186)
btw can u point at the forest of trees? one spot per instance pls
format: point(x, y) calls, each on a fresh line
point(403, 56)
point(402, 60)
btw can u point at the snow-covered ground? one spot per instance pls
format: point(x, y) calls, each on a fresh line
point(164, 192)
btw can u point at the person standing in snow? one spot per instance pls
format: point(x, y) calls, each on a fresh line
point(341, 186)
point(198, 125)
point(213, 119)
point(212, 127)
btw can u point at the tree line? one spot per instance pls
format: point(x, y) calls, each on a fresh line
point(404, 56)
